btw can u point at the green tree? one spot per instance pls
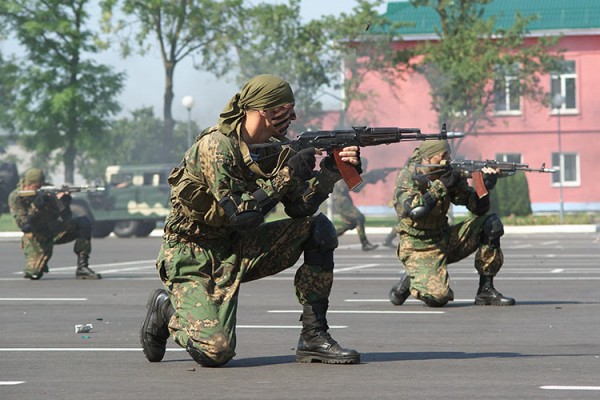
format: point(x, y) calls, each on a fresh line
point(179, 29)
point(511, 196)
point(63, 100)
point(471, 53)
point(133, 141)
point(8, 79)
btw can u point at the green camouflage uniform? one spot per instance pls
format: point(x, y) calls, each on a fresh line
point(429, 244)
point(203, 260)
point(350, 215)
point(44, 224)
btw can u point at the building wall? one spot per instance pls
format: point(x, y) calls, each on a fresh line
point(533, 133)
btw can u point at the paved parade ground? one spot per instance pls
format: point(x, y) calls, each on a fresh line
point(545, 347)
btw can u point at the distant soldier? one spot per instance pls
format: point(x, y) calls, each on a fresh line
point(428, 242)
point(45, 220)
point(348, 212)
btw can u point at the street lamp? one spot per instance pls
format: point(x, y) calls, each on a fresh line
point(557, 102)
point(188, 103)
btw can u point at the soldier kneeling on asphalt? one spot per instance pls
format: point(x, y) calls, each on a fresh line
point(428, 243)
point(45, 219)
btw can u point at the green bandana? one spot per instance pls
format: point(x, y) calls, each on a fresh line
point(428, 149)
point(263, 92)
point(34, 175)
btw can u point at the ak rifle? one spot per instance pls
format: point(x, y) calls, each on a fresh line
point(335, 140)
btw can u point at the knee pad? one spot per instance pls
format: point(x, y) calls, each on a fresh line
point(318, 248)
point(84, 227)
point(202, 358)
point(492, 231)
point(433, 302)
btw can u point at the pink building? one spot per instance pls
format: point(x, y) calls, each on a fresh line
point(523, 131)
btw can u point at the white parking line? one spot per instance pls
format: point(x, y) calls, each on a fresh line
point(408, 301)
point(363, 266)
point(43, 299)
point(362, 312)
point(6, 383)
point(570, 387)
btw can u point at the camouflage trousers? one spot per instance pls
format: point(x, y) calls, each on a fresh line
point(38, 247)
point(203, 280)
point(426, 260)
point(352, 218)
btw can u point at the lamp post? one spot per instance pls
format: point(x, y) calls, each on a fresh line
point(557, 102)
point(188, 103)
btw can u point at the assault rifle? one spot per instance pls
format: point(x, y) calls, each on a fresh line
point(61, 189)
point(362, 136)
point(472, 169)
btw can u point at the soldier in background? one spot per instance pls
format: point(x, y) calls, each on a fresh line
point(45, 219)
point(428, 242)
point(348, 212)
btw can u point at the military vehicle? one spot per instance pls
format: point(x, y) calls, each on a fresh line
point(135, 199)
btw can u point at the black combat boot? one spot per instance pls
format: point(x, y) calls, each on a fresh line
point(316, 344)
point(487, 295)
point(155, 328)
point(400, 291)
point(367, 246)
point(83, 271)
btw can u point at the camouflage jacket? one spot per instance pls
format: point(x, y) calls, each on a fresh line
point(409, 192)
point(43, 215)
point(219, 165)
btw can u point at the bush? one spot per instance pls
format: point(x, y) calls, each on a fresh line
point(511, 196)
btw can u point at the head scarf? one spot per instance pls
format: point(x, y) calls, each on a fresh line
point(428, 149)
point(263, 92)
point(33, 176)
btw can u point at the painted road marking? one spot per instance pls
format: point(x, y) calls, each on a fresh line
point(6, 383)
point(43, 299)
point(570, 387)
point(363, 266)
point(407, 301)
point(361, 312)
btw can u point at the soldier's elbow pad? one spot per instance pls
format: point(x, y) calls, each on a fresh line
point(418, 213)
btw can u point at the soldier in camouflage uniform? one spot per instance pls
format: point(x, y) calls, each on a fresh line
point(45, 220)
point(215, 237)
point(428, 243)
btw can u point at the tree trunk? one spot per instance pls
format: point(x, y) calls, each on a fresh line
point(167, 115)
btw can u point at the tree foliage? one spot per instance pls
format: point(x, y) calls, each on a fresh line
point(511, 196)
point(471, 53)
point(179, 29)
point(63, 100)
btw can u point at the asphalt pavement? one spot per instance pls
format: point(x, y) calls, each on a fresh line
point(544, 347)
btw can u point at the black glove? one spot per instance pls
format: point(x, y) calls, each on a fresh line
point(450, 178)
point(489, 180)
point(40, 200)
point(27, 228)
point(302, 164)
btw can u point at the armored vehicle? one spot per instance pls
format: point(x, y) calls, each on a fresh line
point(135, 199)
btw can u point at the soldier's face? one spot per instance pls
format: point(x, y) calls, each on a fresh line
point(437, 159)
point(280, 118)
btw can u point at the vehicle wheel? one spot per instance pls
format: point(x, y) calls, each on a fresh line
point(145, 228)
point(102, 229)
point(125, 229)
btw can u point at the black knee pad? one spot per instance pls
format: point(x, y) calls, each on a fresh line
point(318, 248)
point(84, 227)
point(492, 231)
point(433, 302)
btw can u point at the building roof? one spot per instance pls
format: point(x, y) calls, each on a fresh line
point(553, 15)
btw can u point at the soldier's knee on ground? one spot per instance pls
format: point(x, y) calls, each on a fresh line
point(215, 359)
point(491, 232)
point(318, 248)
point(433, 302)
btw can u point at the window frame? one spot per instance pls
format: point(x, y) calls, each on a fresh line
point(573, 183)
point(563, 77)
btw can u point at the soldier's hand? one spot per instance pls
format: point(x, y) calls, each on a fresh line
point(302, 164)
point(450, 178)
point(350, 155)
point(40, 200)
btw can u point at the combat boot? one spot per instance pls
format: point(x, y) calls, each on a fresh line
point(390, 244)
point(316, 344)
point(366, 246)
point(487, 295)
point(400, 291)
point(83, 270)
point(155, 328)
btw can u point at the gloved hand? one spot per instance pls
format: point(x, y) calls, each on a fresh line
point(40, 200)
point(450, 178)
point(302, 164)
point(490, 180)
point(27, 228)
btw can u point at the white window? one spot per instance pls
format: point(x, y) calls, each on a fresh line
point(507, 99)
point(564, 90)
point(509, 157)
point(567, 165)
